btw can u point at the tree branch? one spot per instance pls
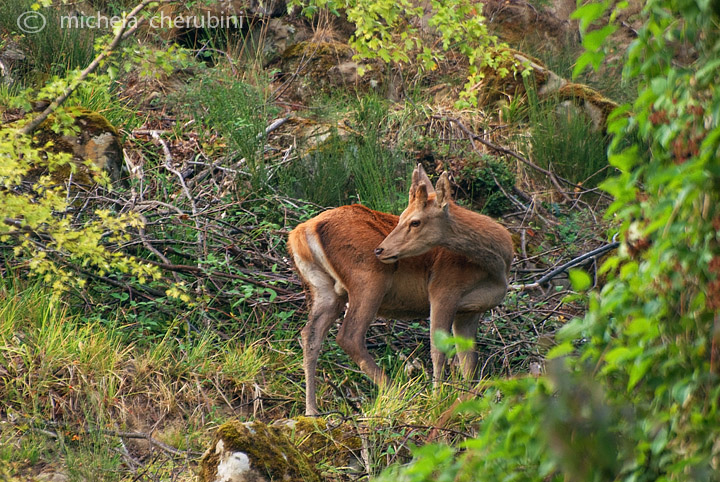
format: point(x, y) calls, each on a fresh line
point(573, 262)
point(124, 31)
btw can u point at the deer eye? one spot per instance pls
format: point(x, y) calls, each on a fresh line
point(414, 224)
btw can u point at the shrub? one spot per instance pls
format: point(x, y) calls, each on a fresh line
point(632, 392)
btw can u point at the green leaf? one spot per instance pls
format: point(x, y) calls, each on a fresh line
point(587, 14)
point(572, 330)
point(560, 350)
point(587, 58)
point(638, 370)
point(595, 39)
point(580, 280)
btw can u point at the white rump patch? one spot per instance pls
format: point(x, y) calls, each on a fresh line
point(322, 278)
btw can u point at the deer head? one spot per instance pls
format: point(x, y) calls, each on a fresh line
point(423, 224)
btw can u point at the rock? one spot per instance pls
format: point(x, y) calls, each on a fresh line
point(52, 476)
point(522, 23)
point(281, 33)
point(310, 67)
point(96, 141)
point(496, 89)
point(339, 445)
point(254, 452)
point(175, 19)
point(11, 57)
point(595, 105)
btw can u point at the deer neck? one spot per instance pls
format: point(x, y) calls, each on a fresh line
point(479, 238)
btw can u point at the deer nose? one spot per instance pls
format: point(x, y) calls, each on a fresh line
point(378, 251)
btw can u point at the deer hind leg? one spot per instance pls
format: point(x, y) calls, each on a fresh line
point(361, 312)
point(326, 308)
point(465, 325)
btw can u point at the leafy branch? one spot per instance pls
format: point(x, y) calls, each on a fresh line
point(123, 32)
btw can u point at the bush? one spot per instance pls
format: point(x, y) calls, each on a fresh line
point(632, 391)
point(483, 182)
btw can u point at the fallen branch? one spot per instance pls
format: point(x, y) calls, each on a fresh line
point(146, 436)
point(132, 435)
point(554, 178)
point(573, 262)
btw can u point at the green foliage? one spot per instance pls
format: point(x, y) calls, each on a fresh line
point(633, 393)
point(38, 224)
point(357, 167)
point(390, 30)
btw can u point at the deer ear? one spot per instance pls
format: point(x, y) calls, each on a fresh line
point(443, 189)
point(415, 182)
point(423, 177)
point(421, 194)
point(418, 177)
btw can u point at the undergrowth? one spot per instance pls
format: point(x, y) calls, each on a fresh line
point(73, 386)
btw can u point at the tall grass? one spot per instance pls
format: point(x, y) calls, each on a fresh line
point(65, 382)
point(52, 51)
point(355, 166)
point(565, 141)
point(239, 112)
point(101, 95)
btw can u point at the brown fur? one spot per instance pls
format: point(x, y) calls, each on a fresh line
point(458, 264)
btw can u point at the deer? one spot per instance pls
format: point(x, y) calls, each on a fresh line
point(437, 260)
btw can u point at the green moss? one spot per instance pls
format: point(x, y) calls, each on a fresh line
point(322, 443)
point(269, 451)
point(580, 91)
point(91, 127)
point(320, 49)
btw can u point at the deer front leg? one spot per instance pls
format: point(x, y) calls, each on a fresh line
point(362, 309)
point(442, 312)
point(325, 310)
point(465, 325)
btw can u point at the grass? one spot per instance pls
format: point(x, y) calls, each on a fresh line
point(71, 385)
point(54, 50)
point(239, 112)
point(565, 141)
point(68, 381)
point(99, 94)
point(357, 165)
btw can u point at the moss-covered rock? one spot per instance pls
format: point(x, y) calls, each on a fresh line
point(310, 67)
point(254, 452)
point(595, 105)
point(96, 143)
point(323, 442)
point(500, 82)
